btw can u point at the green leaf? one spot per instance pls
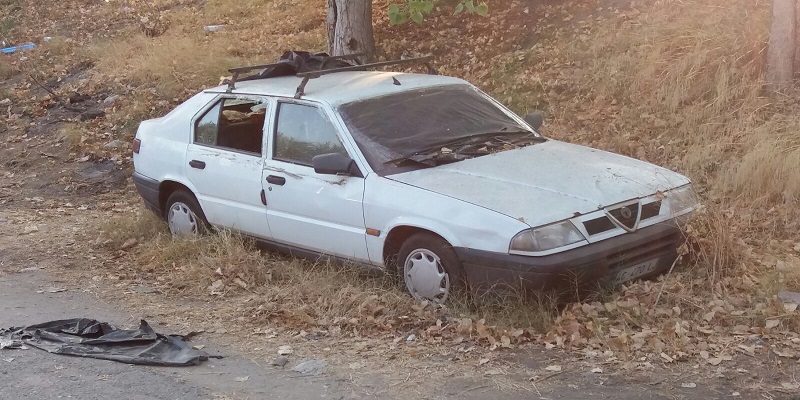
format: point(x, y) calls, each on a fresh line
point(416, 16)
point(470, 6)
point(397, 19)
point(459, 8)
point(427, 6)
point(482, 9)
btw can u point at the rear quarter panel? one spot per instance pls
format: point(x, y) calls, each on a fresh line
point(164, 141)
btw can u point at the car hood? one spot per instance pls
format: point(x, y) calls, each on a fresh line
point(546, 182)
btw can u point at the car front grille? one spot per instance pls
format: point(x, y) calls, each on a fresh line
point(604, 224)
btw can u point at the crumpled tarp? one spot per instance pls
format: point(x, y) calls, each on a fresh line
point(90, 338)
point(294, 62)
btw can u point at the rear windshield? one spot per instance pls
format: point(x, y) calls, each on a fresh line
point(398, 125)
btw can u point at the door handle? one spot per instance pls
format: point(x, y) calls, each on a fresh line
point(197, 164)
point(276, 180)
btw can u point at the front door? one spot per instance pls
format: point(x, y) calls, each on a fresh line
point(225, 162)
point(322, 213)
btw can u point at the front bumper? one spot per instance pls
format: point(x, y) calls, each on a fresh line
point(585, 267)
point(149, 190)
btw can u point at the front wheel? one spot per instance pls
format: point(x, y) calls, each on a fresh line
point(429, 267)
point(184, 215)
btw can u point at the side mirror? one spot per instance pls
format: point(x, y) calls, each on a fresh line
point(335, 164)
point(535, 119)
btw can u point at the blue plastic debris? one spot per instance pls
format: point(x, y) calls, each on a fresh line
point(12, 49)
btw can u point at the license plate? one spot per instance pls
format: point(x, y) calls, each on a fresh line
point(634, 272)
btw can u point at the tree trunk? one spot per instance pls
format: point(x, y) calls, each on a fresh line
point(782, 37)
point(349, 26)
point(797, 39)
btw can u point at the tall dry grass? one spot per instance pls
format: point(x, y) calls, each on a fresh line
point(681, 84)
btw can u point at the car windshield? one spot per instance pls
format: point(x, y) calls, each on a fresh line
point(404, 125)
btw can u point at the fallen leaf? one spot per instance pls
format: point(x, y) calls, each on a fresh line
point(128, 244)
point(714, 361)
point(597, 370)
point(553, 368)
point(783, 353)
point(772, 323)
point(216, 286)
point(790, 385)
point(494, 371)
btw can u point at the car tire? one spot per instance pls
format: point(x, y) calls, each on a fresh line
point(184, 215)
point(429, 268)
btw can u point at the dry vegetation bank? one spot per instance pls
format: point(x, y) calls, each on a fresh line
point(673, 82)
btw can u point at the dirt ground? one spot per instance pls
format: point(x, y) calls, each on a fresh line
point(52, 211)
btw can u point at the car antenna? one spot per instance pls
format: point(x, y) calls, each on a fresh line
point(395, 81)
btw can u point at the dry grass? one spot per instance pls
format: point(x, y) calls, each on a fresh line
point(142, 226)
point(72, 135)
point(299, 293)
point(176, 64)
point(6, 71)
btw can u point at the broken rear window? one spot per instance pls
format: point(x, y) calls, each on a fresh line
point(400, 125)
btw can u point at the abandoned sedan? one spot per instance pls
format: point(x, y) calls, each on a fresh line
point(422, 175)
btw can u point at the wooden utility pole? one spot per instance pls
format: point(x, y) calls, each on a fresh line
point(782, 44)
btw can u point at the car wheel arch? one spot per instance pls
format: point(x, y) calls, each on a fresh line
point(167, 188)
point(395, 239)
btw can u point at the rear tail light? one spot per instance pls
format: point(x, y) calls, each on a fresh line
point(137, 144)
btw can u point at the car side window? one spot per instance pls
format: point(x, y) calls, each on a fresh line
point(235, 124)
point(302, 132)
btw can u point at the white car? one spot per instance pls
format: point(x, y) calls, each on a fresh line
point(424, 176)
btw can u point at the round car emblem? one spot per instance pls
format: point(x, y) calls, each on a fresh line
point(626, 212)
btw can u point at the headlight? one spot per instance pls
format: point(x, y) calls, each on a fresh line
point(681, 201)
point(546, 238)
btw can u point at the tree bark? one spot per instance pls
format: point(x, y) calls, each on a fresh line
point(349, 27)
point(781, 51)
point(797, 39)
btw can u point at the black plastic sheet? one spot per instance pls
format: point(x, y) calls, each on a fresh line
point(84, 337)
point(294, 62)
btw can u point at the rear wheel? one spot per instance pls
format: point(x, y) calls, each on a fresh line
point(184, 215)
point(429, 268)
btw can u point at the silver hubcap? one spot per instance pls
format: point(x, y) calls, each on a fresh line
point(182, 220)
point(425, 277)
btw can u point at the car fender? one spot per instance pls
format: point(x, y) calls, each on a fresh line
point(389, 204)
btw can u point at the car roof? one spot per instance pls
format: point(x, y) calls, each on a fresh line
point(341, 87)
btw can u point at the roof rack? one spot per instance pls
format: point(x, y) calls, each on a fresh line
point(316, 74)
point(241, 70)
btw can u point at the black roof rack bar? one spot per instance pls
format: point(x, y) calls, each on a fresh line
point(240, 70)
point(316, 74)
point(419, 60)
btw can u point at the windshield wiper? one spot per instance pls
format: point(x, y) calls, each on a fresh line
point(429, 156)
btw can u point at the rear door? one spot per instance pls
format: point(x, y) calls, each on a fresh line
point(225, 161)
point(322, 213)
